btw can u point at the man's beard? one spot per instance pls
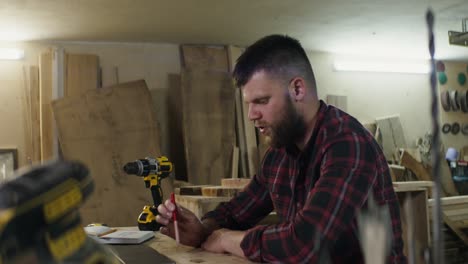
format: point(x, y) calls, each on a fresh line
point(288, 130)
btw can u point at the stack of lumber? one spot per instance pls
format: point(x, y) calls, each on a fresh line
point(201, 199)
point(455, 217)
point(455, 208)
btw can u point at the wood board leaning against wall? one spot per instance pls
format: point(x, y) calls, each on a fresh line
point(240, 154)
point(105, 129)
point(208, 125)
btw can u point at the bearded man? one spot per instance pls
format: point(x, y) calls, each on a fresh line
point(320, 171)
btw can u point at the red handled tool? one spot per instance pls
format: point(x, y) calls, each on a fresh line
point(174, 218)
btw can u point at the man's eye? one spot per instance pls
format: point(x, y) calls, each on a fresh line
point(263, 101)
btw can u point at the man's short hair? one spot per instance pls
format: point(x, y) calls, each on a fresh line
point(280, 56)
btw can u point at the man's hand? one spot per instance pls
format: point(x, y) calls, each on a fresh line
point(225, 240)
point(191, 231)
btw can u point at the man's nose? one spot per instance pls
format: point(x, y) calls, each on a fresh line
point(253, 113)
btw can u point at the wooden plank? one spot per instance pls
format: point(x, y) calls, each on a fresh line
point(31, 110)
point(416, 200)
point(200, 205)
point(35, 113)
point(235, 162)
point(220, 191)
point(397, 172)
point(234, 53)
point(408, 161)
point(81, 74)
point(235, 183)
point(202, 57)
point(116, 125)
point(393, 137)
point(240, 135)
point(192, 190)
point(175, 126)
point(251, 145)
point(339, 101)
point(208, 125)
point(412, 185)
point(47, 133)
point(447, 201)
point(455, 229)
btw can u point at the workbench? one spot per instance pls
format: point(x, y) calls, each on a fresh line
point(181, 254)
point(416, 193)
point(184, 254)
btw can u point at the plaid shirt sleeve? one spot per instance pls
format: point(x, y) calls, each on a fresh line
point(347, 173)
point(246, 209)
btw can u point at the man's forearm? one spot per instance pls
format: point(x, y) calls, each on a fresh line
point(231, 241)
point(210, 225)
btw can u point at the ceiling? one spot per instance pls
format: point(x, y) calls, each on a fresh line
point(375, 28)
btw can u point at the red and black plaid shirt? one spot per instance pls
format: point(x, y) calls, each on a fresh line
point(316, 194)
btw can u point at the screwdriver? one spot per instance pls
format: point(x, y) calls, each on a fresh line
point(174, 218)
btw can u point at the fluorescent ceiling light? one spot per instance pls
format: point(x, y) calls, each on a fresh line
point(381, 66)
point(11, 54)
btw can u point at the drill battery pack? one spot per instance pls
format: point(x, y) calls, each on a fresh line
point(39, 214)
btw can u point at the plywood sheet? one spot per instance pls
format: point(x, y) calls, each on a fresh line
point(105, 129)
point(47, 133)
point(393, 137)
point(81, 73)
point(208, 114)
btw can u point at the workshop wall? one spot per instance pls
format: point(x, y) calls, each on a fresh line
point(369, 95)
point(375, 95)
point(123, 62)
point(120, 62)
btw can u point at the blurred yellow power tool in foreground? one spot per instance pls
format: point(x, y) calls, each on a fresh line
point(153, 170)
point(39, 218)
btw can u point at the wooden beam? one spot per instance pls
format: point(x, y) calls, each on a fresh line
point(81, 73)
point(236, 183)
point(407, 160)
point(455, 229)
point(47, 134)
point(220, 191)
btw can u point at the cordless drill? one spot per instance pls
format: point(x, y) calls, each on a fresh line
point(153, 170)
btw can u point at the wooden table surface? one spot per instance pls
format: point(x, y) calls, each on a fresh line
point(184, 254)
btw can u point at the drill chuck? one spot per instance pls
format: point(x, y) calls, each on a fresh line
point(148, 166)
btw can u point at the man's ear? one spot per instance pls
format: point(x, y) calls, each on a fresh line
point(297, 89)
